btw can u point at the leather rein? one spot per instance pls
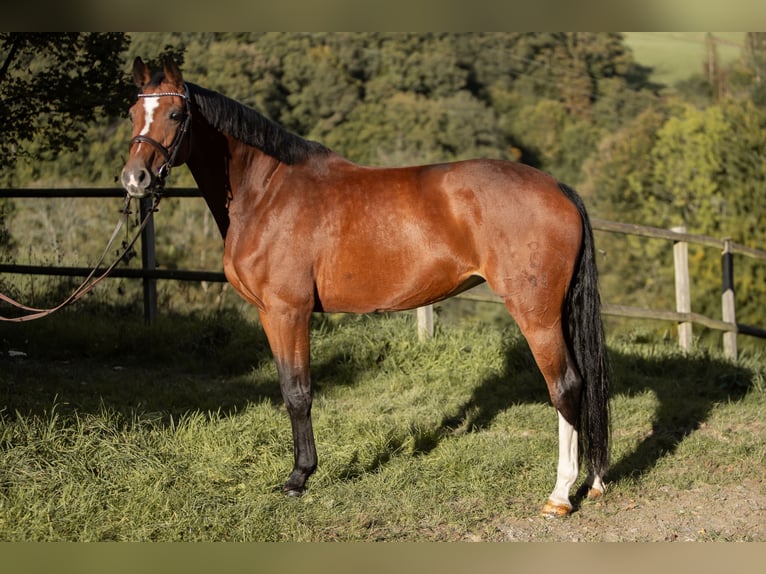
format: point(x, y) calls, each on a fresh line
point(169, 153)
point(92, 279)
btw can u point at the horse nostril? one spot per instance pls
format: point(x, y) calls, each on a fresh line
point(143, 176)
point(136, 180)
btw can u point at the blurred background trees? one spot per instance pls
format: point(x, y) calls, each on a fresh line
point(578, 105)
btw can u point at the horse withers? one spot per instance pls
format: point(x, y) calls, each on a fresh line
point(306, 230)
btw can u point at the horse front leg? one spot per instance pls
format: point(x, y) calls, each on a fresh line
point(288, 334)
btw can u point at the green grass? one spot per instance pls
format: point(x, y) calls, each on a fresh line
point(111, 430)
point(674, 56)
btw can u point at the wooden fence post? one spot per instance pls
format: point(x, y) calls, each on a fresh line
point(728, 305)
point(683, 290)
point(425, 322)
point(148, 261)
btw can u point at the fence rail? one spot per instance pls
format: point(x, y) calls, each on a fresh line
point(148, 273)
point(682, 315)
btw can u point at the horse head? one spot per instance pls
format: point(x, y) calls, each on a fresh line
point(161, 118)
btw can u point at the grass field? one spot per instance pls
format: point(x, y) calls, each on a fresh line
point(124, 432)
point(674, 56)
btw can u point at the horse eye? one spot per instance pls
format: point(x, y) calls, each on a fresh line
point(176, 116)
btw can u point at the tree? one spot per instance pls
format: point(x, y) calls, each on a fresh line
point(559, 93)
point(619, 185)
point(411, 128)
point(53, 85)
point(679, 164)
point(748, 76)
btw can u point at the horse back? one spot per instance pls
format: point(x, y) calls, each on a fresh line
point(363, 239)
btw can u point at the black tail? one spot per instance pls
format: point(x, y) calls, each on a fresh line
point(587, 343)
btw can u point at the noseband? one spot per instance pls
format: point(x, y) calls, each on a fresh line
point(169, 153)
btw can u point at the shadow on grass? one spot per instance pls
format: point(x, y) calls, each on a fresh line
point(211, 366)
point(686, 387)
point(182, 364)
point(195, 364)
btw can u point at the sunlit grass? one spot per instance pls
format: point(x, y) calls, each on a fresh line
point(113, 430)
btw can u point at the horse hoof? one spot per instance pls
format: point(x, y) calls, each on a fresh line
point(554, 510)
point(292, 491)
point(594, 493)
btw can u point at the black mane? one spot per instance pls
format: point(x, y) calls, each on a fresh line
point(250, 127)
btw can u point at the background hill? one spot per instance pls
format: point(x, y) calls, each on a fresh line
point(675, 56)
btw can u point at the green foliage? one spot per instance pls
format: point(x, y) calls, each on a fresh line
point(702, 168)
point(410, 128)
point(577, 105)
point(53, 85)
point(394, 97)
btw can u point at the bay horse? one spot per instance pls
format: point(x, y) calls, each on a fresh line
point(306, 230)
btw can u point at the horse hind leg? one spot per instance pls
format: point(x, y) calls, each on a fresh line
point(549, 347)
point(565, 390)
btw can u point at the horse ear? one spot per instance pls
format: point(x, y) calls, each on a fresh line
point(172, 73)
point(141, 72)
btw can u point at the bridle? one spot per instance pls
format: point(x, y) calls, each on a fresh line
point(170, 152)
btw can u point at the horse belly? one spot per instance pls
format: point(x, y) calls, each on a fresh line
point(396, 282)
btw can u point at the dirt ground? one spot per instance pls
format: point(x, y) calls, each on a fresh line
point(700, 514)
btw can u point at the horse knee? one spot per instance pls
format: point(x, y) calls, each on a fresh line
point(295, 386)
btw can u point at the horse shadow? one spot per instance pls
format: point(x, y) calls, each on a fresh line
point(686, 390)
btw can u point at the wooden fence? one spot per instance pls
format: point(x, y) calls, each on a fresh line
point(149, 273)
point(682, 315)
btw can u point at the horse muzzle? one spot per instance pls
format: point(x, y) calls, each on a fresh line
point(137, 181)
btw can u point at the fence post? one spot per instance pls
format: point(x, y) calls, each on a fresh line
point(728, 310)
point(683, 290)
point(425, 322)
point(148, 261)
